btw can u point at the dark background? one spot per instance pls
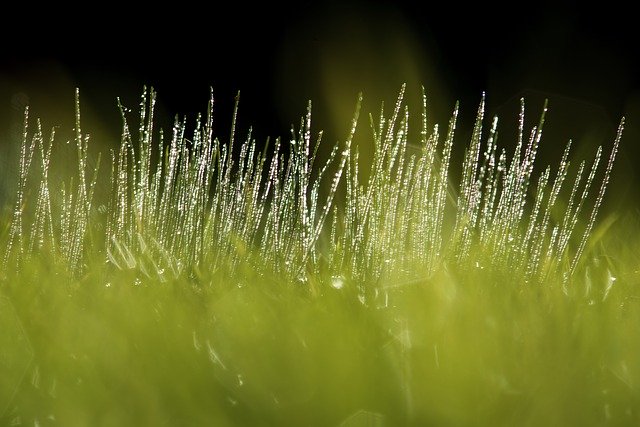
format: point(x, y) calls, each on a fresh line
point(583, 60)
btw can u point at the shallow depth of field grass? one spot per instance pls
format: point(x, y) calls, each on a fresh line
point(184, 279)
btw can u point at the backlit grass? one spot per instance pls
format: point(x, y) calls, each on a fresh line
point(187, 280)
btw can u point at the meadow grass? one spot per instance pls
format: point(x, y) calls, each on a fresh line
point(197, 281)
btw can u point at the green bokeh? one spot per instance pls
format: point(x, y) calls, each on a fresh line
point(15, 353)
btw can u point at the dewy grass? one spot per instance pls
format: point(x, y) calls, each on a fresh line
point(200, 206)
point(257, 286)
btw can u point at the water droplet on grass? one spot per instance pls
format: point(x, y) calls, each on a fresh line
point(337, 282)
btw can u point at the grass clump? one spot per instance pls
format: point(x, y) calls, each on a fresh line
point(258, 286)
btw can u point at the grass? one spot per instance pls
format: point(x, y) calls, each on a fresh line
point(228, 283)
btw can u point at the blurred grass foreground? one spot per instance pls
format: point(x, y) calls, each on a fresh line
point(183, 279)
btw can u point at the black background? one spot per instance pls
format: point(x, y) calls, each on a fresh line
point(582, 59)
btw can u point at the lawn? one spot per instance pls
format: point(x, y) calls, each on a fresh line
point(183, 279)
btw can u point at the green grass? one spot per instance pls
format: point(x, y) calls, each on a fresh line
point(187, 280)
